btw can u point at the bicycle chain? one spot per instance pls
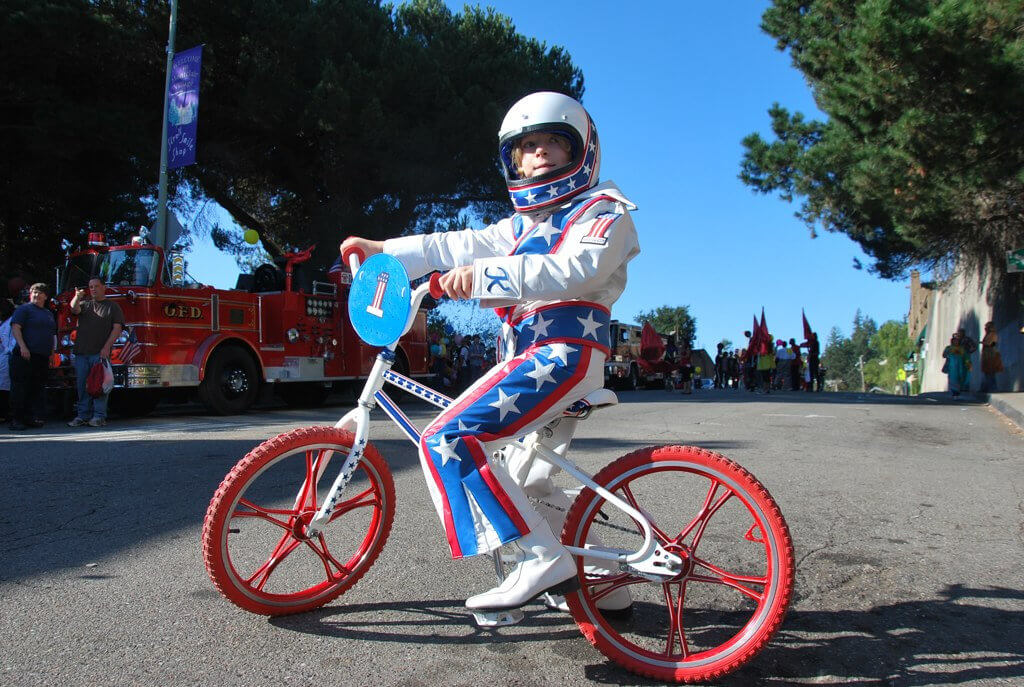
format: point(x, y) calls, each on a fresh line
point(609, 525)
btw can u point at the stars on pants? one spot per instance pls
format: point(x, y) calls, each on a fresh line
point(505, 404)
point(561, 351)
point(541, 373)
point(590, 326)
point(446, 450)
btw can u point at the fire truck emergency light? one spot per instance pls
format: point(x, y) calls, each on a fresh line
point(96, 238)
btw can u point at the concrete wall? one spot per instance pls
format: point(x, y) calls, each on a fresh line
point(968, 302)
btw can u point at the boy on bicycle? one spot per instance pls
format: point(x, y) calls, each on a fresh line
point(552, 272)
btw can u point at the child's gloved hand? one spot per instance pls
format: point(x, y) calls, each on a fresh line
point(458, 284)
point(367, 246)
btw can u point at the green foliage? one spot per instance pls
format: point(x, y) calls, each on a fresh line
point(726, 345)
point(891, 347)
point(842, 355)
point(883, 350)
point(316, 119)
point(79, 141)
point(921, 160)
point(667, 319)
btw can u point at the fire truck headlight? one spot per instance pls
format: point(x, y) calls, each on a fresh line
point(65, 359)
point(293, 335)
point(65, 340)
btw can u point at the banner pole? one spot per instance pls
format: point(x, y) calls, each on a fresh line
point(160, 235)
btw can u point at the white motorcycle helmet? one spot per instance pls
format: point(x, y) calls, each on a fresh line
point(556, 113)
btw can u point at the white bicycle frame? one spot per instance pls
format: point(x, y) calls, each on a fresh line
point(650, 560)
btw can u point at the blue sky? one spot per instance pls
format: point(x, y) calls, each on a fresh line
point(673, 88)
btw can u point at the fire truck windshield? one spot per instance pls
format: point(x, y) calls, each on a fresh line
point(79, 269)
point(118, 267)
point(130, 267)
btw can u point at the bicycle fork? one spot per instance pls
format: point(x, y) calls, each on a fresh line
point(360, 417)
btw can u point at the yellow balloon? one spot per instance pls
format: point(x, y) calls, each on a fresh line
point(251, 236)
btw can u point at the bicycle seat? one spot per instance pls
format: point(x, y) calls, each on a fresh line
point(592, 401)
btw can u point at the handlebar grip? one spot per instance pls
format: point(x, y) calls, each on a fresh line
point(435, 285)
point(350, 251)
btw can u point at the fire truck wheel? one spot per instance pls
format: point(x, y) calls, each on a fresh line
point(231, 384)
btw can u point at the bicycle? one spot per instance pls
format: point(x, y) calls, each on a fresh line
point(274, 544)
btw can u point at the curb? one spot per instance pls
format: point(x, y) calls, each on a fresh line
point(1012, 414)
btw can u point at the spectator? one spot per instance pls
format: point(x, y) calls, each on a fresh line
point(901, 382)
point(721, 367)
point(796, 365)
point(34, 330)
point(100, 322)
point(957, 366)
point(463, 368)
point(967, 343)
point(991, 360)
point(685, 368)
point(813, 360)
point(782, 364)
point(734, 369)
point(766, 366)
point(6, 344)
point(477, 352)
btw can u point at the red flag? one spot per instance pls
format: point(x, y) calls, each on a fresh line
point(807, 327)
point(755, 337)
point(651, 346)
point(766, 337)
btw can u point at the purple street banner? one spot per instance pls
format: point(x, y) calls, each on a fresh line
point(183, 107)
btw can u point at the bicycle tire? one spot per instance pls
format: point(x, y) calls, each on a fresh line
point(253, 499)
point(730, 616)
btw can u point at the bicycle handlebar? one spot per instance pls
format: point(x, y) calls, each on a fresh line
point(435, 285)
point(351, 252)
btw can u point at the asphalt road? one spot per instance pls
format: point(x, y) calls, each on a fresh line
point(907, 517)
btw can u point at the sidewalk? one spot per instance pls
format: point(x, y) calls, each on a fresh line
point(1009, 404)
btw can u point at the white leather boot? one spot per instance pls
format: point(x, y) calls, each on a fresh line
point(545, 566)
point(553, 507)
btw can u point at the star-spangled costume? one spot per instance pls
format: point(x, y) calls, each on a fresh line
point(553, 291)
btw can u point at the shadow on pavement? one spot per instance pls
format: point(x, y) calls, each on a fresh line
point(956, 638)
point(442, 621)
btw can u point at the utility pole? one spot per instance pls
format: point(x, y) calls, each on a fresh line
point(160, 235)
point(860, 364)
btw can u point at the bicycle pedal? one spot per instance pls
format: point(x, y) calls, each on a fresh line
point(498, 618)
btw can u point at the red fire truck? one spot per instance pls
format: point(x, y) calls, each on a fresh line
point(279, 326)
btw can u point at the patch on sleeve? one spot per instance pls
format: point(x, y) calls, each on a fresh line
point(598, 234)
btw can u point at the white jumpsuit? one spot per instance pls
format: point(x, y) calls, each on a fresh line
point(552, 280)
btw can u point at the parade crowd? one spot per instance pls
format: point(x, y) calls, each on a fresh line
point(762, 367)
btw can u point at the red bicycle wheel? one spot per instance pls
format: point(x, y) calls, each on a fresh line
point(255, 546)
point(736, 580)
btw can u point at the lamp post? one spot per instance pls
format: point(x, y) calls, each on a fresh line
point(160, 234)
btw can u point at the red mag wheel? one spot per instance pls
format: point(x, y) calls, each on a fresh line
point(736, 580)
point(255, 544)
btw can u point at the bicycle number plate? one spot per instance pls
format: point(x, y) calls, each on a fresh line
point(378, 302)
